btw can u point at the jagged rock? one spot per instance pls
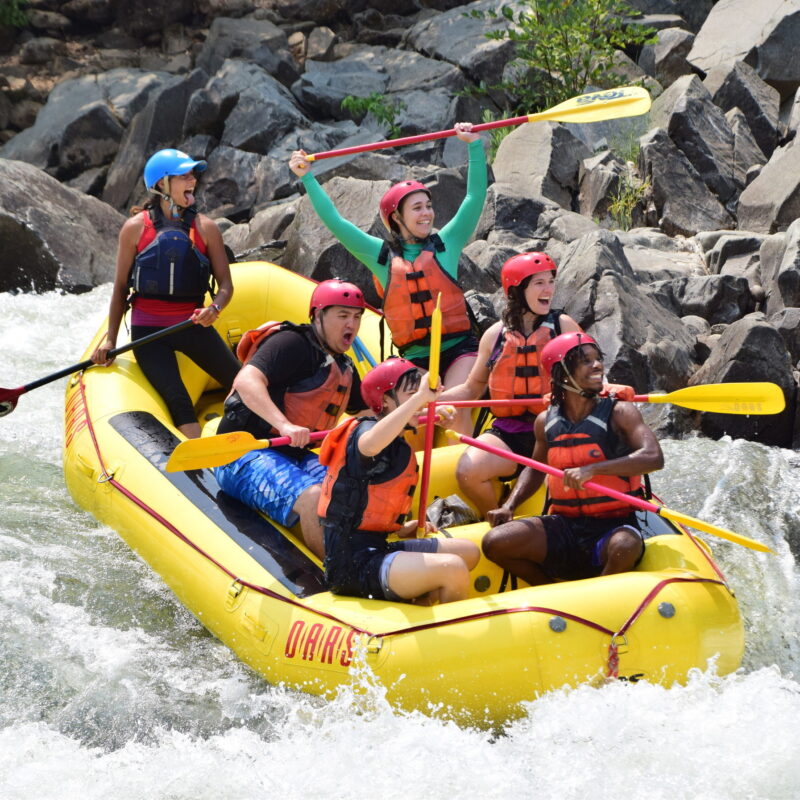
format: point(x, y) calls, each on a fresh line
point(230, 183)
point(716, 298)
point(320, 44)
point(739, 86)
point(759, 33)
point(123, 92)
point(736, 254)
point(480, 265)
point(158, 124)
point(53, 237)
point(665, 60)
point(747, 155)
point(267, 225)
point(322, 11)
point(781, 274)
point(459, 39)
point(772, 201)
point(696, 325)
point(598, 178)
point(700, 131)
point(787, 323)
point(141, 18)
point(50, 22)
point(516, 211)
point(683, 203)
point(89, 12)
point(750, 350)
point(41, 50)
point(257, 41)
point(545, 157)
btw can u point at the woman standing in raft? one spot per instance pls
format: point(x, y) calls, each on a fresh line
point(414, 263)
point(508, 362)
point(167, 256)
point(367, 494)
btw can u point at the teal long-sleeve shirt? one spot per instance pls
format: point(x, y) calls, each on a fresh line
point(455, 234)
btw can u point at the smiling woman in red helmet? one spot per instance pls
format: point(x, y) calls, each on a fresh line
point(367, 494)
point(168, 254)
point(508, 365)
point(590, 438)
point(414, 263)
point(296, 379)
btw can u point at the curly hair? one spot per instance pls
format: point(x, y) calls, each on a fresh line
point(516, 305)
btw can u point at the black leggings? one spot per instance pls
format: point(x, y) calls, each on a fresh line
point(160, 365)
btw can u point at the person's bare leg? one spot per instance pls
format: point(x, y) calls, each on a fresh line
point(478, 474)
point(520, 546)
point(306, 508)
point(621, 552)
point(466, 550)
point(413, 575)
point(191, 430)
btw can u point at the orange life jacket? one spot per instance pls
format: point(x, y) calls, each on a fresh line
point(315, 402)
point(373, 505)
point(410, 297)
point(578, 444)
point(515, 371)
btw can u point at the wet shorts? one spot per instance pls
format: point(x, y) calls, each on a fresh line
point(519, 443)
point(574, 545)
point(271, 481)
point(466, 347)
point(364, 570)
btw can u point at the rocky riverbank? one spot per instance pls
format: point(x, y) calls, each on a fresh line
point(705, 288)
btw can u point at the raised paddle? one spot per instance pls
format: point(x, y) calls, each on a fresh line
point(433, 382)
point(625, 101)
point(214, 451)
point(8, 397)
point(721, 398)
point(636, 502)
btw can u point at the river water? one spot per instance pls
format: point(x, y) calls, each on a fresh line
point(110, 688)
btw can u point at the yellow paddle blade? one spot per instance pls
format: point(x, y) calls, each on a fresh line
point(625, 101)
point(436, 343)
point(213, 451)
point(727, 398)
point(706, 527)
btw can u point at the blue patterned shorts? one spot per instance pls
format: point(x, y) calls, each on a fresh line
point(271, 481)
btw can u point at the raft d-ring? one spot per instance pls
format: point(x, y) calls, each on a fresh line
point(618, 641)
point(374, 644)
point(106, 476)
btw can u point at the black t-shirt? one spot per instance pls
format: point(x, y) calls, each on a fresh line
point(286, 358)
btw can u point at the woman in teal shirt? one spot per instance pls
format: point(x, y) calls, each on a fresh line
point(414, 264)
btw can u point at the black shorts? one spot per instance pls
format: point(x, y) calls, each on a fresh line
point(468, 346)
point(353, 562)
point(519, 443)
point(574, 544)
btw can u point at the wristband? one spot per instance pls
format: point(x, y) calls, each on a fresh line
point(216, 306)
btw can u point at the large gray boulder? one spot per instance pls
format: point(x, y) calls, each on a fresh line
point(750, 350)
point(52, 237)
point(772, 201)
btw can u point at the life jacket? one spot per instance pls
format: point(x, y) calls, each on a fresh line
point(378, 504)
point(410, 296)
point(171, 261)
point(514, 365)
point(315, 402)
point(578, 444)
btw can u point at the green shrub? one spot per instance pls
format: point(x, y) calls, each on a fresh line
point(561, 47)
point(629, 193)
point(383, 109)
point(13, 14)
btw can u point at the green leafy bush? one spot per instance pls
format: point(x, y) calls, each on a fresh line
point(383, 109)
point(561, 47)
point(13, 14)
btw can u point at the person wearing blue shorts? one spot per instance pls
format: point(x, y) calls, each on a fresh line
point(296, 379)
point(367, 495)
point(589, 438)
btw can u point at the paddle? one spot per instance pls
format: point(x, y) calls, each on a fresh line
point(8, 397)
point(214, 451)
point(625, 101)
point(722, 398)
point(636, 502)
point(433, 382)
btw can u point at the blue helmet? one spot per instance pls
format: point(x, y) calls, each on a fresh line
point(168, 162)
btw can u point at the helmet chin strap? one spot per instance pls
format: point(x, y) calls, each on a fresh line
point(573, 387)
point(175, 210)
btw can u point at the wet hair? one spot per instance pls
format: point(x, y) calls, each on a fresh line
point(558, 375)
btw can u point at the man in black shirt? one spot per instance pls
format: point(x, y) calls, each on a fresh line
point(297, 381)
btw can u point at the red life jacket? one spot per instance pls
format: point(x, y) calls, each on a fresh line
point(316, 402)
point(515, 371)
point(410, 297)
point(388, 497)
point(578, 444)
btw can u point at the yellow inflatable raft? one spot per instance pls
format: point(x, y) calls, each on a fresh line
point(254, 585)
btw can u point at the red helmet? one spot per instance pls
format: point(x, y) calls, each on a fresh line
point(519, 267)
point(382, 379)
point(392, 199)
point(556, 349)
point(336, 293)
